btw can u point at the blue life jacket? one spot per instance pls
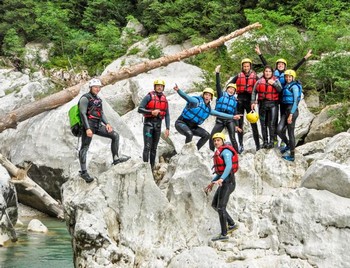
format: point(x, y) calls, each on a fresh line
point(280, 76)
point(288, 97)
point(196, 112)
point(226, 103)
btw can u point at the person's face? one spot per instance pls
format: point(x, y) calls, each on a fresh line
point(246, 67)
point(288, 78)
point(207, 97)
point(95, 89)
point(159, 88)
point(281, 66)
point(231, 90)
point(218, 142)
point(267, 73)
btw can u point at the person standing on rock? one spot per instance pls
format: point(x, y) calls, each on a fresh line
point(154, 107)
point(225, 167)
point(226, 103)
point(196, 111)
point(95, 122)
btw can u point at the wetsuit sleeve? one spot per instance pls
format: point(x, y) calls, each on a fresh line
point(83, 106)
point(233, 79)
point(295, 97)
point(218, 86)
point(263, 60)
point(142, 107)
point(167, 118)
point(254, 92)
point(297, 66)
point(221, 115)
point(186, 97)
point(104, 118)
point(216, 178)
point(227, 156)
point(277, 85)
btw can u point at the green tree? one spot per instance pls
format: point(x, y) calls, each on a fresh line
point(13, 44)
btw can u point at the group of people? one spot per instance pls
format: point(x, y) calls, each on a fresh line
point(276, 93)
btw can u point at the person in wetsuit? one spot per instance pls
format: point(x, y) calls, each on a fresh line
point(154, 107)
point(95, 122)
point(196, 111)
point(225, 165)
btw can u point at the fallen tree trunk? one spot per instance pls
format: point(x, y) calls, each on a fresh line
point(11, 119)
point(20, 176)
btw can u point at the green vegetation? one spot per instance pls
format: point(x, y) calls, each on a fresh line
point(87, 34)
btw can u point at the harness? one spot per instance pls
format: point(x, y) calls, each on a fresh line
point(157, 102)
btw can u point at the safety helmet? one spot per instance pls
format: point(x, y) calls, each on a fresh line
point(231, 85)
point(219, 135)
point(246, 60)
point(95, 83)
point(282, 60)
point(159, 82)
point(209, 90)
point(290, 72)
point(252, 117)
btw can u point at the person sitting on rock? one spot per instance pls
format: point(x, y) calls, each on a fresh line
point(225, 165)
point(196, 111)
point(95, 122)
point(154, 108)
point(290, 100)
point(226, 102)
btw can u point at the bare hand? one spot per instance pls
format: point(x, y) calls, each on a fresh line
point(257, 50)
point(166, 133)
point(238, 129)
point(252, 106)
point(271, 81)
point(217, 69)
point(308, 54)
point(89, 133)
point(290, 119)
point(176, 88)
point(208, 188)
point(218, 182)
point(237, 117)
point(155, 112)
point(109, 128)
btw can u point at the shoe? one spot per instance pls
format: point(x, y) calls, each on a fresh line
point(220, 237)
point(288, 158)
point(121, 159)
point(270, 145)
point(240, 149)
point(231, 228)
point(264, 146)
point(86, 176)
point(275, 143)
point(284, 149)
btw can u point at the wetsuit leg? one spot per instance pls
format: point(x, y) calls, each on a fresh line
point(147, 140)
point(220, 201)
point(85, 143)
point(201, 132)
point(230, 125)
point(291, 130)
point(240, 110)
point(114, 136)
point(219, 126)
point(282, 127)
point(155, 140)
point(271, 117)
point(262, 115)
point(183, 129)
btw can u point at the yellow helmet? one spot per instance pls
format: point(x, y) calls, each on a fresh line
point(159, 82)
point(252, 117)
point(290, 72)
point(231, 85)
point(282, 60)
point(219, 135)
point(209, 90)
point(246, 60)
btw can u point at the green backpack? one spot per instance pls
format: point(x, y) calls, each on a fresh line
point(75, 120)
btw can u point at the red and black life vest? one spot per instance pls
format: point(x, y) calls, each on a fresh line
point(266, 91)
point(246, 83)
point(157, 102)
point(219, 163)
point(94, 109)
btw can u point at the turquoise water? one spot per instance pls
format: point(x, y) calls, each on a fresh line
point(38, 250)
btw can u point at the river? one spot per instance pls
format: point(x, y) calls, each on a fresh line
point(39, 250)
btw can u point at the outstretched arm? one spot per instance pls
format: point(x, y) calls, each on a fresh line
point(184, 95)
point(301, 62)
point(263, 60)
point(218, 86)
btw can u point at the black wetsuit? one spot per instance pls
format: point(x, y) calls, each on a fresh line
point(91, 113)
point(151, 130)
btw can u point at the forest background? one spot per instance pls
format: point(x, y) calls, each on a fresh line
point(87, 35)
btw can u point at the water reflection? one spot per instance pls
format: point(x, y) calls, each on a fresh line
point(39, 250)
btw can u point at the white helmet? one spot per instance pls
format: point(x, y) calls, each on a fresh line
point(95, 82)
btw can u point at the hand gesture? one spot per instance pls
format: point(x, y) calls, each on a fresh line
point(176, 88)
point(308, 54)
point(257, 50)
point(217, 69)
point(155, 112)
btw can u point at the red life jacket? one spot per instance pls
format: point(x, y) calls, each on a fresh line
point(157, 102)
point(266, 91)
point(246, 83)
point(219, 163)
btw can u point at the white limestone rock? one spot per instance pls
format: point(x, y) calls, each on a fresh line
point(37, 226)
